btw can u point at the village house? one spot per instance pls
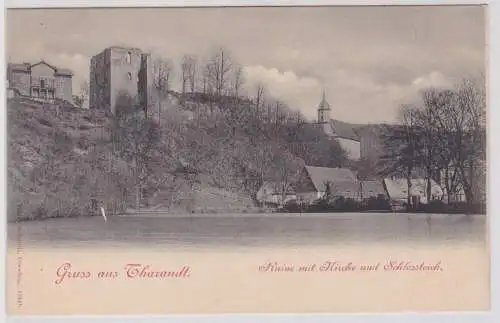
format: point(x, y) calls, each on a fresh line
point(120, 71)
point(40, 80)
point(270, 194)
point(312, 183)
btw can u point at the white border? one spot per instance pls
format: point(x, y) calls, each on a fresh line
point(225, 3)
point(493, 159)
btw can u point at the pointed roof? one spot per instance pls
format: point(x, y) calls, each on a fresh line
point(324, 104)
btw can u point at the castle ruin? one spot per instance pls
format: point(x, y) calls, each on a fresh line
point(120, 71)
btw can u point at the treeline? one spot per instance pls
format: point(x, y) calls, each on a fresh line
point(443, 137)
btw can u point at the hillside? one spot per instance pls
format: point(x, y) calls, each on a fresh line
point(65, 161)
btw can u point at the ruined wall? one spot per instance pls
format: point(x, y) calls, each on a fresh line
point(100, 81)
point(125, 67)
point(120, 71)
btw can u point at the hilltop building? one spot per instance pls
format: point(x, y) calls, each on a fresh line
point(342, 132)
point(40, 80)
point(120, 70)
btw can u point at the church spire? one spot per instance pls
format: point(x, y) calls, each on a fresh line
point(324, 109)
point(324, 104)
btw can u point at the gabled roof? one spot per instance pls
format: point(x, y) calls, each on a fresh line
point(320, 175)
point(26, 67)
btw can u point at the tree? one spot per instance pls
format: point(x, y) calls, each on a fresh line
point(427, 118)
point(84, 93)
point(440, 104)
point(238, 80)
point(163, 72)
point(469, 134)
point(137, 139)
point(286, 172)
point(402, 148)
point(219, 68)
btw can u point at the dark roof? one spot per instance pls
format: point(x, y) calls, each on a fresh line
point(343, 130)
point(320, 175)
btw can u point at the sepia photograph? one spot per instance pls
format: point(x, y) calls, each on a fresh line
point(318, 159)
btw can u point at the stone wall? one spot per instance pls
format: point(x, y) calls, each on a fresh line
point(120, 71)
point(100, 82)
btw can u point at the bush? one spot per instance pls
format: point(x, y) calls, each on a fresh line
point(438, 206)
point(377, 203)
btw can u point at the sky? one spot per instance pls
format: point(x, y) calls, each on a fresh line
point(369, 60)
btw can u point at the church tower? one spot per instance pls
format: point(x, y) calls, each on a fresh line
point(323, 110)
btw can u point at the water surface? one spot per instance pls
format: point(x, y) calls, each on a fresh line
point(281, 230)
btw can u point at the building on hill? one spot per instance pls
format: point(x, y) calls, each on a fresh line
point(312, 182)
point(340, 131)
point(40, 80)
point(120, 71)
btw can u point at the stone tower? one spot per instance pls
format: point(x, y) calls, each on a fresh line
point(120, 71)
point(323, 110)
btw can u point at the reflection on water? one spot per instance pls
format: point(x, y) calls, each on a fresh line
point(252, 231)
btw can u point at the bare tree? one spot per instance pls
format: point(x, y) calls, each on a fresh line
point(163, 72)
point(84, 92)
point(137, 139)
point(238, 80)
point(470, 134)
point(219, 68)
point(401, 148)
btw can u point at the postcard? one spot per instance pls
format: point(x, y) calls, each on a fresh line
point(228, 160)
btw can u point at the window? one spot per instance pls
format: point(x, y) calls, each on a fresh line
point(129, 75)
point(42, 83)
point(129, 57)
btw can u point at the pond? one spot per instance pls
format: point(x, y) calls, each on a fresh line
point(247, 231)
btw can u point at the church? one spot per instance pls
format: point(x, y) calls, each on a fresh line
point(346, 136)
